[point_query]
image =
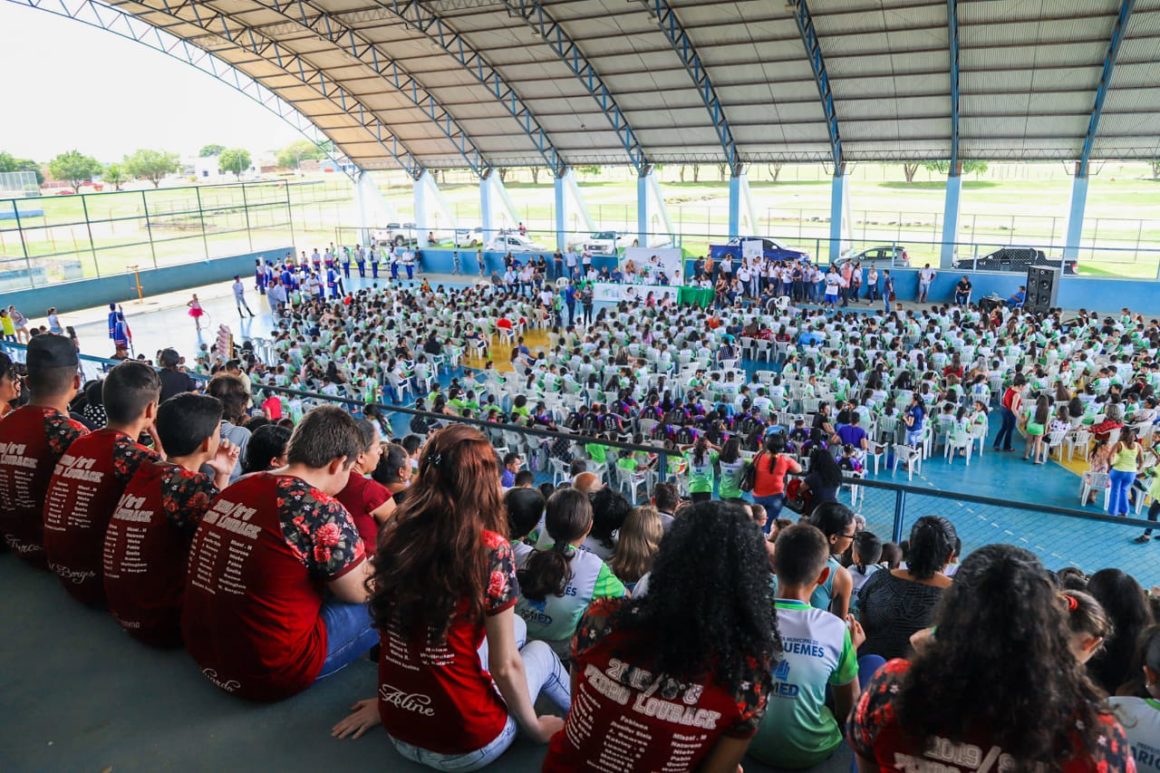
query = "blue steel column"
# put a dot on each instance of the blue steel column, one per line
(642, 206)
(951, 216)
(1079, 189)
(735, 203)
(485, 207)
(420, 188)
(837, 206)
(561, 211)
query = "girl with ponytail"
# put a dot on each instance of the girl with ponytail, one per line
(559, 583)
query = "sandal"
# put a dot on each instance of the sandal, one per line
(1142, 539)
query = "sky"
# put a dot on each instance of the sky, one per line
(65, 85)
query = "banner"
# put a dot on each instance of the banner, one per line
(613, 293)
(752, 248)
(648, 262)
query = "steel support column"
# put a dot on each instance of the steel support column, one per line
(735, 180)
(838, 205)
(642, 215)
(561, 210)
(1075, 212)
(486, 206)
(951, 216)
(421, 222)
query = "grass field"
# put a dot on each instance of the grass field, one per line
(1012, 204)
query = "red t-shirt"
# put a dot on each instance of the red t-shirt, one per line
(1009, 398)
(624, 717)
(437, 695)
(362, 496)
(32, 440)
(766, 483)
(875, 735)
(147, 547)
(257, 566)
(85, 487)
(273, 407)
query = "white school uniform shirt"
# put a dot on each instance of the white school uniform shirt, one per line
(1141, 720)
(926, 275)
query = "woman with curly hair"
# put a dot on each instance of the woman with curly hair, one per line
(997, 686)
(677, 680)
(455, 681)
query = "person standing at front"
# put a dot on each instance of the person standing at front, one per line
(925, 280)
(1010, 406)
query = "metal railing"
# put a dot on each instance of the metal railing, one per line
(889, 508)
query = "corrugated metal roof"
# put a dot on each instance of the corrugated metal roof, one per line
(1029, 71)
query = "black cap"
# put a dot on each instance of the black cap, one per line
(51, 351)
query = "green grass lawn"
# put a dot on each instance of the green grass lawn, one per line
(1013, 205)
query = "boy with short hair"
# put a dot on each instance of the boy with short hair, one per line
(33, 438)
(798, 730)
(148, 537)
(91, 476)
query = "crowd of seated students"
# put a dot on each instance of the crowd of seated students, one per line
(678, 634)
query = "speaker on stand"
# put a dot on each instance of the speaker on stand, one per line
(1042, 289)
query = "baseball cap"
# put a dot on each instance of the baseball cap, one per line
(51, 351)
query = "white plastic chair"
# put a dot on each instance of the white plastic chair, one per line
(959, 441)
(910, 456)
(1094, 481)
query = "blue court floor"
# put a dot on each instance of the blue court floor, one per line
(163, 321)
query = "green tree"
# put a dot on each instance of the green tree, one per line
(115, 175)
(208, 151)
(151, 165)
(909, 170)
(9, 163)
(236, 160)
(978, 168)
(291, 156)
(74, 167)
(1155, 168)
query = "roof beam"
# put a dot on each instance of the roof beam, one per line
(670, 25)
(297, 66)
(953, 38)
(128, 26)
(809, 35)
(1126, 7)
(535, 15)
(313, 18)
(422, 19)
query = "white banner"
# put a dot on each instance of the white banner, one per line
(752, 248)
(613, 293)
(648, 262)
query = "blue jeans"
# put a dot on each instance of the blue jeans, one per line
(349, 634)
(773, 505)
(1121, 484)
(1007, 431)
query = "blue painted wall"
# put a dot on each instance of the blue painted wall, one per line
(84, 294)
(439, 261)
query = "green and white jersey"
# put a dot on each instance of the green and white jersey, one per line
(701, 475)
(554, 619)
(1141, 720)
(798, 730)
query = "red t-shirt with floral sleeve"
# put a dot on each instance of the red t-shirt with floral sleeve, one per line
(86, 485)
(32, 440)
(875, 735)
(624, 717)
(257, 567)
(362, 496)
(436, 694)
(147, 548)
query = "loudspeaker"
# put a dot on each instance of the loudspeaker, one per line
(1042, 289)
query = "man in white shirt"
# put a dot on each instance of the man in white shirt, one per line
(925, 279)
(240, 297)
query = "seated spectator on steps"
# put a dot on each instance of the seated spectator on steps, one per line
(1126, 604)
(34, 437)
(456, 681)
(276, 591)
(266, 449)
(821, 655)
(1138, 704)
(369, 502)
(643, 667)
(895, 604)
(998, 674)
(147, 541)
(558, 584)
(92, 475)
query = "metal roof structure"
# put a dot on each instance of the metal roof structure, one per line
(489, 83)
